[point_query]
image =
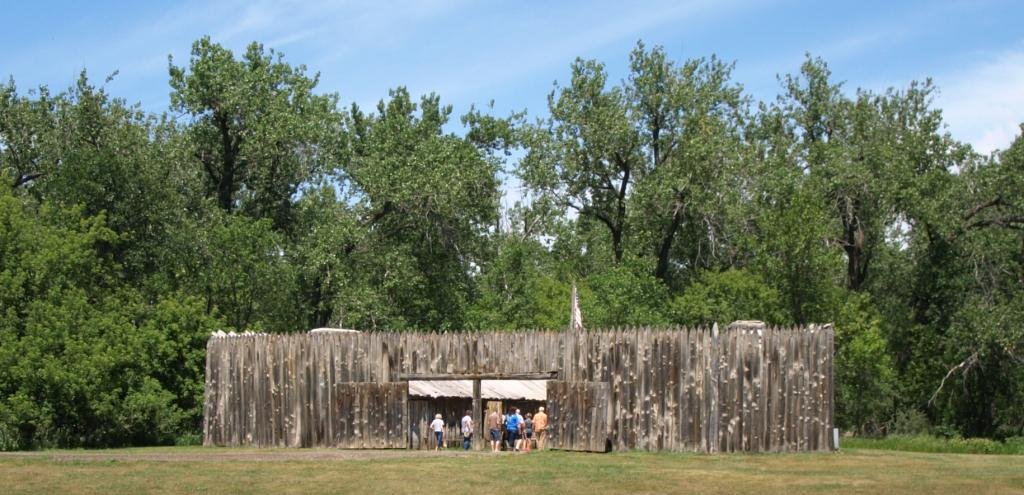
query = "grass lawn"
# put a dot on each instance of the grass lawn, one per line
(194, 469)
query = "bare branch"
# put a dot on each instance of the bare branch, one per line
(963, 367)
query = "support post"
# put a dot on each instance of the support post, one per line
(478, 415)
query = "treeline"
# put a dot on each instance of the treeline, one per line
(670, 197)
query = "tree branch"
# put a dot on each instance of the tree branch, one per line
(214, 176)
(963, 367)
(998, 200)
(1008, 222)
(584, 210)
(384, 210)
(26, 178)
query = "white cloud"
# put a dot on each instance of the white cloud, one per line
(984, 104)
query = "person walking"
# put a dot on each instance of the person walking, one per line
(512, 424)
(540, 426)
(494, 426)
(438, 427)
(467, 430)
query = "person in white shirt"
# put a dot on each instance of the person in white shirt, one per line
(438, 426)
(467, 430)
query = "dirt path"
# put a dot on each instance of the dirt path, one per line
(220, 455)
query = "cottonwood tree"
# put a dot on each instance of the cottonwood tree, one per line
(973, 262)
(838, 147)
(28, 135)
(423, 200)
(690, 116)
(256, 126)
(643, 157)
(587, 154)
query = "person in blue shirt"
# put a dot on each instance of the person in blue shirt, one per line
(512, 423)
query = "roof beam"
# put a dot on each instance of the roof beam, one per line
(540, 375)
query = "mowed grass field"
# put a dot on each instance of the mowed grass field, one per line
(212, 470)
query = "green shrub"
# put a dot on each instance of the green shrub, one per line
(189, 439)
(909, 422)
(864, 371)
(1015, 444)
(626, 294)
(8, 437)
(932, 444)
(727, 296)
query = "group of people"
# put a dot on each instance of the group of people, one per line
(513, 430)
(516, 432)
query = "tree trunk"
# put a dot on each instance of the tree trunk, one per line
(854, 243)
(856, 265)
(665, 250)
(226, 185)
(225, 191)
(617, 245)
(620, 213)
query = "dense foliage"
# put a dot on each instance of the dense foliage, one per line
(258, 203)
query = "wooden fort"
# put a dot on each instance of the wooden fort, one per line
(748, 388)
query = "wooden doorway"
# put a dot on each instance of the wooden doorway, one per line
(477, 406)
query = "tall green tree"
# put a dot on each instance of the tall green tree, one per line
(426, 199)
(838, 144)
(257, 128)
(971, 259)
(29, 148)
(647, 158)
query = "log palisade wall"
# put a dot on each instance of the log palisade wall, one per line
(748, 388)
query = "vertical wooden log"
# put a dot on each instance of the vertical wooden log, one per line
(712, 391)
(209, 415)
(477, 417)
(831, 386)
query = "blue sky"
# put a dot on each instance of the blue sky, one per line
(511, 52)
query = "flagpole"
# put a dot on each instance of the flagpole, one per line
(576, 317)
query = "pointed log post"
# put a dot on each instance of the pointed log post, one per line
(477, 417)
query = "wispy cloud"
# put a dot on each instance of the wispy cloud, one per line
(318, 30)
(984, 104)
(553, 44)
